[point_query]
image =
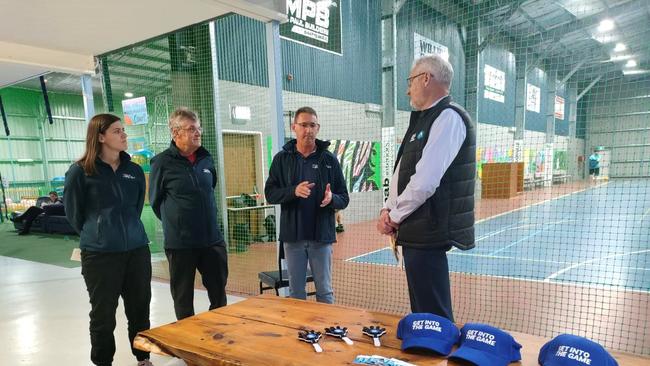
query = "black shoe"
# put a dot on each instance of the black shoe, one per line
(23, 232)
(339, 228)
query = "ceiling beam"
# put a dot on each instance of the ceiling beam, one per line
(591, 85)
(52, 60)
(161, 70)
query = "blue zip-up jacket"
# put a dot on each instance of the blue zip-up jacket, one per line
(182, 196)
(281, 186)
(105, 208)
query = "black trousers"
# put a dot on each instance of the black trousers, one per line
(28, 217)
(109, 276)
(211, 262)
(427, 275)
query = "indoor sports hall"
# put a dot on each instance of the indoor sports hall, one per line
(558, 90)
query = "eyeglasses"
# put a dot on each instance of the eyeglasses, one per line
(409, 81)
(193, 129)
(308, 125)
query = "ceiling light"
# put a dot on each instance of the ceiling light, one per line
(620, 47)
(635, 72)
(605, 38)
(620, 58)
(630, 63)
(606, 25)
(128, 95)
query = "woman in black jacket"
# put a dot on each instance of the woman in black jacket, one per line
(104, 193)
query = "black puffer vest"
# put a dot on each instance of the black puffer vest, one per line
(447, 217)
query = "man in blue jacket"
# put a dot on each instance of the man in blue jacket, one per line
(307, 181)
(181, 192)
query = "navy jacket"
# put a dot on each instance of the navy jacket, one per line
(281, 185)
(105, 208)
(182, 196)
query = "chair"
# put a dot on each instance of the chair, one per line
(279, 279)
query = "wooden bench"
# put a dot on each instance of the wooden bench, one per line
(263, 330)
(561, 178)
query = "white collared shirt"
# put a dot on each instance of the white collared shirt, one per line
(446, 137)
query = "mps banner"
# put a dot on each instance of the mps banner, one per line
(314, 23)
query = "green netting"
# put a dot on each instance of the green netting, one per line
(547, 82)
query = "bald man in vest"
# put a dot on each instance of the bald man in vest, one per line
(430, 206)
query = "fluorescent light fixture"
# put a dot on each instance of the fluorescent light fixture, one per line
(630, 63)
(606, 25)
(620, 47)
(605, 38)
(620, 58)
(240, 114)
(635, 72)
(25, 161)
(128, 95)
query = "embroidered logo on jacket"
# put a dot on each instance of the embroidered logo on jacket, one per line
(127, 176)
(207, 171)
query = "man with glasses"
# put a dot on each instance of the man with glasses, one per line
(181, 192)
(430, 205)
(307, 181)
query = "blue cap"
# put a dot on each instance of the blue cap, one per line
(571, 350)
(486, 345)
(429, 331)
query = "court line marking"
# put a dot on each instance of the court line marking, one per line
(540, 202)
(544, 227)
(506, 257)
(368, 253)
(460, 254)
(576, 265)
(564, 283)
(498, 231)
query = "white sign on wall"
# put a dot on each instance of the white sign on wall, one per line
(533, 96)
(518, 151)
(559, 107)
(424, 46)
(495, 84)
(548, 164)
(387, 157)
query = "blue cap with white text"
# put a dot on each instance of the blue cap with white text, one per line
(571, 350)
(428, 331)
(485, 345)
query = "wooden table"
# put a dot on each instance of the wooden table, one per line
(263, 331)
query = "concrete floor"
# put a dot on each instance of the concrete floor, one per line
(44, 316)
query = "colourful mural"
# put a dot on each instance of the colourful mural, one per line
(361, 163)
(492, 154)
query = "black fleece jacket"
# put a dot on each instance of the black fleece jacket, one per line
(182, 196)
(105, 208)
(281, 185)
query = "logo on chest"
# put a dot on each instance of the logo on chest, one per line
(418, 136)
(127, 176)
(206, 171)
